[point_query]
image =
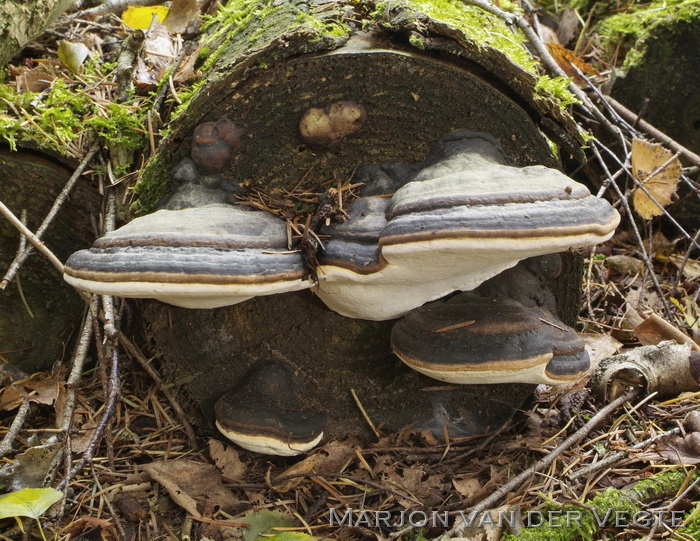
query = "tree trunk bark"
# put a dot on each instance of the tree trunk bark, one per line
(38, 309)
(417, 78)
(23, 20)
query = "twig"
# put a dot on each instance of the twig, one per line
(7, 213)
(538, 466)
(65, 192)
(635, 229)
(184, 50)
(20, 417)
(132, 350)
(618, 455)
(110, 406)
(126, 63)
(71, 391)
(358, 480)
(364, 413)
(547, 60)
(654, 132)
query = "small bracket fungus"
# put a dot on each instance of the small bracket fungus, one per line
(463, 218)
(327, 126)
(202, 257)
(472, 339)
(264, 412)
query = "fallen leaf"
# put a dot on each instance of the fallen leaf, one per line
(28, 502)
(140, 17)
(260, 522)
(335, 456)
(566, 58)
(677, 449)
(659, 178)
(89, 527)
(159, 49)
(181, 15)
(33, 80)
(294, 475)
(690, 268)
(226, 459)
(624, 264)
(466, 487)
(72, 54)
(191, 483)
(600, 346)
(33, 467)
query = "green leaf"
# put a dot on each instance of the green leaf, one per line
(262, 522)
(28, 502)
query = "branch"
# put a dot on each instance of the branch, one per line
(65, 192)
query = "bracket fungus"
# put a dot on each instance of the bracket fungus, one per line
(202, 257)
(263, 412)
(503, 332)
(463, 218)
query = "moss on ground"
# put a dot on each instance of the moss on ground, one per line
(633, 27)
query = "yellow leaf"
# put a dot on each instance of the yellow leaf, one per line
(139, 17)
(72, 54)
(659, 178)
(28, 502)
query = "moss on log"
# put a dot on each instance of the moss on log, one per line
(417, 76)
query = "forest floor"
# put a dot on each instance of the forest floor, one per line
(565, 468)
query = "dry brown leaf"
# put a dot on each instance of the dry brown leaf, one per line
(676, 449)
(466, 487)
(89, 527)
(624, 264)
(565, 58)
(81, 442)
(226, 459)
(159, 52)
(659, 178)
(296, 472)
(335, 456)
(691, 268)
(191, 483)
(181, 15)
(34, 80)
(42, 388)
(600, 346)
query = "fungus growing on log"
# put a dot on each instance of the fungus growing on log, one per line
(263, 412)
(203, 257)
(325, 127)
(464, 217)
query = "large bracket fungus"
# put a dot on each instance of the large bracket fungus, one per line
(421, 232)
(462, 218)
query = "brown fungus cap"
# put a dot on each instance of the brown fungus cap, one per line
(265, 412)
(472, 339)
(203, 257)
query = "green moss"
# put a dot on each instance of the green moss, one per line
(632, 28)
(122, 125)
(153, 185)
(476, 25)
(566, 522)
(556, 87)
(257, 21)
(54, 119)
